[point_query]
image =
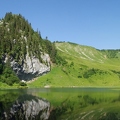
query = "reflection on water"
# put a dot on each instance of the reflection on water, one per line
(17, 105)
(66, 104)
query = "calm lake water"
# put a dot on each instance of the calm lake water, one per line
(70, 103)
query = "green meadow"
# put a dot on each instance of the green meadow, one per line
(85, 66)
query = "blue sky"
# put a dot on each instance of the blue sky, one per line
(87, 22)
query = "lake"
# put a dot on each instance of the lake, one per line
(60, 104)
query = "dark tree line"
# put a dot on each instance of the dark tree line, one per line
(111, 53)
(17, 38)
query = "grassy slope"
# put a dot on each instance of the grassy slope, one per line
(5, 86)
(84, 59)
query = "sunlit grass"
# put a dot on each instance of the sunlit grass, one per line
(84, 58)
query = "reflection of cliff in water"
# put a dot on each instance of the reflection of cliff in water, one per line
(24, 104)
(25, 107)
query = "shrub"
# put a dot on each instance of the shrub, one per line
(22, 84)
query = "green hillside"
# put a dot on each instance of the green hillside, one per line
(85, 66)
(71, 64)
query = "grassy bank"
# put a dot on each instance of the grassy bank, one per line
(59, 78)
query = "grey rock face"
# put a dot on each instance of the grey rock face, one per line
(31, 67)
(29, 109)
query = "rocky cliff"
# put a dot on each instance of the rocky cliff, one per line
(31, 67)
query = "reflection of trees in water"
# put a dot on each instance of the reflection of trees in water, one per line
(66, 107)
(110, 116)
(69, 109)
(20, 106)
(87, 107)
(7, 99)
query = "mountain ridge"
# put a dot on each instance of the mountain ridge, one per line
(66, 63)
